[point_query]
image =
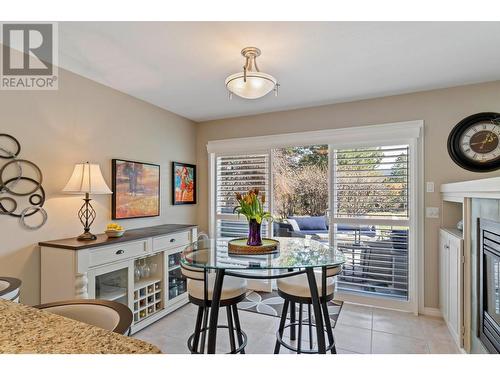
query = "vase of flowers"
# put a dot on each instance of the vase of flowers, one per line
(251, 205)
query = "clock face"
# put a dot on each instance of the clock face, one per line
(474, 143)
(480, 142)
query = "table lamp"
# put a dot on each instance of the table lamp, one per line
(87, 179)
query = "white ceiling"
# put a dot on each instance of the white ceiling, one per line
(181, 66)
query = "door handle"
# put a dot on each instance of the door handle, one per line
(119, 252)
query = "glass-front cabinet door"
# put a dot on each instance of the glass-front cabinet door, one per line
(136, 283)
(177, 283)
(112, 283)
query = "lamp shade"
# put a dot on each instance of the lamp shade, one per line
(87, 178)
(254, 86)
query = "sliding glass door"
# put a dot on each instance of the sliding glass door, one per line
(359, 196)
(371, 222)
(301, 191)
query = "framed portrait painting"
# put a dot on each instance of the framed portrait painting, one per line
(136, 189)
(183, 183)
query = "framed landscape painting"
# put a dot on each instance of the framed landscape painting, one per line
(136, 189)
(183, 183)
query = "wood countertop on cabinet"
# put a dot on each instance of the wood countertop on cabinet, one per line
(130, 235)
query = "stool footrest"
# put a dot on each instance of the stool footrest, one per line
(238, 349)
(295, 349)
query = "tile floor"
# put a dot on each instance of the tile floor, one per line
(360, 329)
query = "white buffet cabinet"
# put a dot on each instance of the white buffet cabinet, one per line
(140, 270)
(451, 282)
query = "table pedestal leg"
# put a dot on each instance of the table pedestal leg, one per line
(318, 318)
(214, 311)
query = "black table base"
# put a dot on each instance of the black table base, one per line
(319, 310)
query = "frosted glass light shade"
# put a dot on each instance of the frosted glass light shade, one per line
(256, 86)
(87, 178)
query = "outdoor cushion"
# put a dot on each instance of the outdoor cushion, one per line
(293, 223)
(310, 222)
(312, 231)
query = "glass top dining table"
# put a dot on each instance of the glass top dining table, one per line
(293, 257)
(292, 253)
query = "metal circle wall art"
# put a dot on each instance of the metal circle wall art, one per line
(15, 183)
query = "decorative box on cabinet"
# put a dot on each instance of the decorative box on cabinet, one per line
(451, 281)
(106, 269)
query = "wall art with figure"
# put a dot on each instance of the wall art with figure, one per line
(136, 189)
(184, 183)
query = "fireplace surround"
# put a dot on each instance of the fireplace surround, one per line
(488, 283)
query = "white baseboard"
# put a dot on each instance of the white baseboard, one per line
(432, 311)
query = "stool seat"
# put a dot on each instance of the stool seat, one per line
(109, 315)
(10, 288)
(299, 286)
(232, 287)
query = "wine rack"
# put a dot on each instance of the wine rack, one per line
(147, 298)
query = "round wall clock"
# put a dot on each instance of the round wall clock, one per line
(474, 143)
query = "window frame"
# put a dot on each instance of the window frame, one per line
(407, 132)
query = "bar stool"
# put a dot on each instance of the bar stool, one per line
(109, 315)
(200, 288)
(295, 290)
(10, 288)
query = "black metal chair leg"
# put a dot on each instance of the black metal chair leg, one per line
(328, 326)
(318, 319)
(292, 316)
(206, 312)
(299, 343)
(230, 329)
(214, 311)
(197, 328)
(310, 327)
(282, 326)
(238, 327)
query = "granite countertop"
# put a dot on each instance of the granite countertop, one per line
(130, 235)
(24, 329)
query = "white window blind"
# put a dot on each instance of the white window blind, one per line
(371, 219)
(238, 174)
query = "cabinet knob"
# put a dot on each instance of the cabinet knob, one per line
(172, 240)
(119, 252)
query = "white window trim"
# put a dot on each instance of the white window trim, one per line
(344, 137)
(411, 132)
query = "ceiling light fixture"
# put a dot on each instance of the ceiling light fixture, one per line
(251, 83)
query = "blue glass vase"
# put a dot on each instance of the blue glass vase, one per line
(254, 238)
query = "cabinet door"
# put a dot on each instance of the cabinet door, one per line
(443, 274)
(177, 282)
(112, 283)
(455, 289)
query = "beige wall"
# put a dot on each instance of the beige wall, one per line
(440, 110)
(82, 121)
